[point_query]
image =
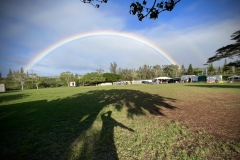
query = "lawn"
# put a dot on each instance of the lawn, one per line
(167, 121)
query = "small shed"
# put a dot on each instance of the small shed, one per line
(72, 84)
(2, 88)
(202, 78)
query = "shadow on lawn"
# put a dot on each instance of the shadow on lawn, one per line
(105, 147)
(4, 97)
(46, 130)
(217, 85)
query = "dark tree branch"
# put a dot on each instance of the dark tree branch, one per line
(138, 8)
(95, 5)
(235, 63)
(164, 5)
(228, 51)
(151, 8)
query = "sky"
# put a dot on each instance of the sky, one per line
(39, 35)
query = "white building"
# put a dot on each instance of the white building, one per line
(72, 84)
(2, 88)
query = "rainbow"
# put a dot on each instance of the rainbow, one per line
(51, 48)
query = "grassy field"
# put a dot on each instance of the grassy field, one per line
(167, 121)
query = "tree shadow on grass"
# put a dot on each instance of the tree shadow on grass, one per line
(47, 129)
(9, 97)
(237, 86)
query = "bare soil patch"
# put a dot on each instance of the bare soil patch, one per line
(216, 113)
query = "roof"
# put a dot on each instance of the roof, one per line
(163, 78)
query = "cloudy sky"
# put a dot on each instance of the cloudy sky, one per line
(191, 33)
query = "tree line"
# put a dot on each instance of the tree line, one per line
(24, 80)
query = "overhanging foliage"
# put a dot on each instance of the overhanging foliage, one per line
(142, 10)
(228, 51)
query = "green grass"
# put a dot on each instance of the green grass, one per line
(76, 123)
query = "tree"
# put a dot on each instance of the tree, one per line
(127, 74)
(190, 70)
(113, 67)
(225, 67)
(32, 76)
(141, 73)
(182, 70)
(21, 70)
(211, 69)
(145, 72)
(133, 74)
(92, 78)
(219, 70)
(148, 71)
(111, 77)
(157, 70)
(197, 71)
(124, 73)
(171, 70)
(20, 76)
(235, 64)
(232, 69)
(0, 75)
(142, 10)
(228, 51)
(10, 75)
(66, 76)
(47, 82)
(77, 78)
(37, 81)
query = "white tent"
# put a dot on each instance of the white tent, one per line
(193, 78)
(161, 79)
(214, 78)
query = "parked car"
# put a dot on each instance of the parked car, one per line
(121, 83)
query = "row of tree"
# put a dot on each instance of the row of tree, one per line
(19, 79)
(150, 72)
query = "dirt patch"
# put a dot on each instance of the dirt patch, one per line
(218, 114)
